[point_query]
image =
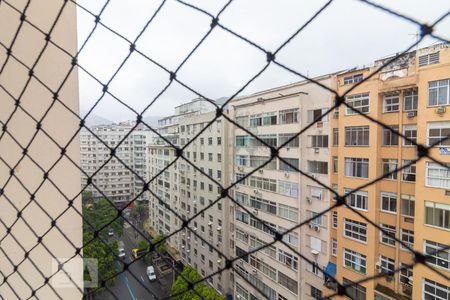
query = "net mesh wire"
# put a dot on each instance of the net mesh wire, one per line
(426, 30)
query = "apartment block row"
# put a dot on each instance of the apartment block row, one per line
(344, 151)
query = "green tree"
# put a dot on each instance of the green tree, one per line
(162, 247)
(181, 286)
(143, 245)
(97, 214)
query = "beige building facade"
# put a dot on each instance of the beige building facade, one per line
(279, 195)
(52, 67)
(411, 96)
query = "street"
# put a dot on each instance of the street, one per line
(136, 287)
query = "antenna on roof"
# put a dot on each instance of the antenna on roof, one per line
(417, 38)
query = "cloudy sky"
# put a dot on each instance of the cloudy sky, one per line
(348, 33)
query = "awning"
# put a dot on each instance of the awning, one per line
(330, 270)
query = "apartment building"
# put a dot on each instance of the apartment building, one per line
(412, 96)
(279, 195)
(115, 178)
(188, 191)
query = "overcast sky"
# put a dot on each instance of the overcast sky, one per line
(347, 34)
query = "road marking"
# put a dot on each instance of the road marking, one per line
(125, 279)
(142, 278)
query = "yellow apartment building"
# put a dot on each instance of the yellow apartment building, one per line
(411, 95)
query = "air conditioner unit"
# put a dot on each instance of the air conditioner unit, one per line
(286, 174)
(210, 223)
(194, 229)
(411, 114)
(440, 110)
(317, 228)
(309, 200)
(316, 150)
(314, 252)
(255, 271)
(236, 187)
(219, 228)
(240, 168)
(378, 265)
(311, 225)
(260, 171)
(255, 212)
(255, 191)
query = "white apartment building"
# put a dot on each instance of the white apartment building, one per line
(279, 195)
(115, 179)
(188, 191)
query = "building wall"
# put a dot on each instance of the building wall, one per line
(187, 191)
(400, 77)
(52, 67)
(309, 241)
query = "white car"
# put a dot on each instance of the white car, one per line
(110, 232)
(121, 250)
(151, 273)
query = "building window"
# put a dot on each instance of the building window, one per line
(288, 212)
(357, 136)
(407, 206)
(288, 188)
(438, 92)
(438, 133)
(285, 167)
(357, 199)
(318, 167)
(434, 290)
(410, 100)
(219, 157)
(219, 140)
(438, 254)
(410, 131)
(288, 259)
(429, 59)
(334, 247)
(355, 261)
(437, 175)
(387, 265)
(390, 167)
(390, 138)
(409, 172)
(263, 183)
(316, 293)
(407, 237)
(388, 237)
(406, 272)
(270, 118)
(357, 167)
(255, 120)
(335, 164)
(335, 219)
(355, 230)
(353, 78)
(391, 102)
(242, 121)
(288, 116)
(263, 267)
(358, 103)
(319, 141)
(288, 282)
(335, 136)
(316, 115)
(437, 214)
(284, 137)
(388, 202)
(354, 291)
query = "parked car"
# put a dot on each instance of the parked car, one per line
(110, 232)
(121, 250)
(151, 273)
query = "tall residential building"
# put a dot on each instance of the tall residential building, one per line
(412, 96)
(188, 192)
(279, 195)
(115, 178)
